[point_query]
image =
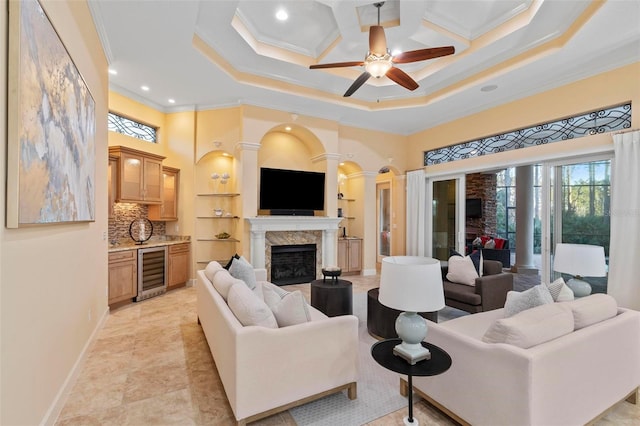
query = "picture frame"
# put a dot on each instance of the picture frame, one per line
(51, 126)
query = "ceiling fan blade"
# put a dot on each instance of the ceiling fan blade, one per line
(337, 65)
(356, 84)
(422, 54)
(377, 40)
(402, 78)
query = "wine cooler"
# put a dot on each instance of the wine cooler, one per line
(152, 272)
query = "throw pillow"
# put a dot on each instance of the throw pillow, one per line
(592, 309)
(291, 309)
(462, 270)
(560, 291)
(243, 270)
(248, 308)
(491, 244)
(272, 293)
(228, 265)
(476, 258)
(222, 282)
(532, 327)
(211, 269)
(520, 301)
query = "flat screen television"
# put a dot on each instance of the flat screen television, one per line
(291, 192)
(474, 208)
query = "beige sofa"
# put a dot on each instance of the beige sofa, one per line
(568, 380)
(268, 370)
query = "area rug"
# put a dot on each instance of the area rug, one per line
(378, 388)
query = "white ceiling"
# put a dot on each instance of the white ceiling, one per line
(219, 53)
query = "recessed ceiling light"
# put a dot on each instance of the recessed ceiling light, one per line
(145, 88)
(288, 128)
(489, 88)
(282, 15)
(172, 101)
(112, 71)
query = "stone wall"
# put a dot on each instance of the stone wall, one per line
(483, 186)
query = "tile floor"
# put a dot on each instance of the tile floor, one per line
(150, 365)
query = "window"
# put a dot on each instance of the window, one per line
(135, 129)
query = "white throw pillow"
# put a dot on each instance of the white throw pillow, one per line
(462, 271)
(222, 282)
(243, 270)
(291, 309)
(519, 301)
(532, 327)
(592, 309)
(248, 308)
(212, 268)
(272, 294)
(560, 291)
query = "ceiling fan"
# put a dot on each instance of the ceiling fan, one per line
(379, 62)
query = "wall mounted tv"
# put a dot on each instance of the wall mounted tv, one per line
(473, 208)
(291, 192)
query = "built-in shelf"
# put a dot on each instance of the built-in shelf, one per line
(217, 217)
(222, 194)
(224, 240)
(346, 199)
(348, 217)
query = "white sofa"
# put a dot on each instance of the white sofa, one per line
(268, 370)
(568, 380)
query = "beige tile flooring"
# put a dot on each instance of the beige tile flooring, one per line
(150, 365)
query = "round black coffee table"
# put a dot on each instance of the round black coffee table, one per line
(333, 298)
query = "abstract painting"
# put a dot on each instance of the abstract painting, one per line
(51, 126)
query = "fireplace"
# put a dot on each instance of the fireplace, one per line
(293, 264)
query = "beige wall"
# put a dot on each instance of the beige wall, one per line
(53, 278)
(607, 89)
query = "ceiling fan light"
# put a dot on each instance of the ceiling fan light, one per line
(378, 66)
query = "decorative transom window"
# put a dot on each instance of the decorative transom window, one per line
(135, 129)
(591, 123)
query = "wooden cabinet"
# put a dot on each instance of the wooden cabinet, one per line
(139, 176)
(350, 255)
(123, 276)
(112, 178)
(168, 210)
(179, 263)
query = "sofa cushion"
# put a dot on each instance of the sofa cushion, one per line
(228, 265)
(532, 326)
(243, 270)
(462, 270)
(211, 269)
(462, 293)
(592, 309)
(519, 301)
(289, 308)
(272, 293)
(560, 291)
(222, 282)
(248, 307)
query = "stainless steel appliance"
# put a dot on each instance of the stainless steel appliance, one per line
(152, 272)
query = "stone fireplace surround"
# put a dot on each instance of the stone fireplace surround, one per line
(267, 231)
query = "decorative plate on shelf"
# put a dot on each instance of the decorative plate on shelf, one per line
(140, 230)
(222, 236)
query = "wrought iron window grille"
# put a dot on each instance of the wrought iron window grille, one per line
(129, 127)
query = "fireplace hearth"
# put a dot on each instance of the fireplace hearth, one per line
(293, 264)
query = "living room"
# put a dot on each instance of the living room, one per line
(54, 306)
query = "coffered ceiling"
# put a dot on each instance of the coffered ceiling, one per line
(207, 54)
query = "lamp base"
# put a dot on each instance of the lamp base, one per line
(579, 287)
(412, 354)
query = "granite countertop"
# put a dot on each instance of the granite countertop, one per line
(164, 240)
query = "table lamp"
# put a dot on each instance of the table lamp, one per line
(579, 260)
(411, 284)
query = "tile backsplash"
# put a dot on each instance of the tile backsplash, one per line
(124, 214)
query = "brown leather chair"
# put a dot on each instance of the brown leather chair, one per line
(490, 291)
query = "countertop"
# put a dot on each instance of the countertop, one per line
(165, 240)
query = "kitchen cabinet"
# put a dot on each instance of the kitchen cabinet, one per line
(179, 265)
(350, 255)
(123, 276)
(112, 179)
(168, 210)
(139, 176)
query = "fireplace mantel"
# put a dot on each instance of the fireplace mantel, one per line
(260, 225)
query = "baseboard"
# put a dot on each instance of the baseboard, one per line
(368, 272)
(61, 398)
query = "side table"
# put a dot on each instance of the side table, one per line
(333, 297)
(440, 362)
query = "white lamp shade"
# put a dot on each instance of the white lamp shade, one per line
(411, 284)
(580, 260)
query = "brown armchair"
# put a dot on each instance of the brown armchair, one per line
(490, 291)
